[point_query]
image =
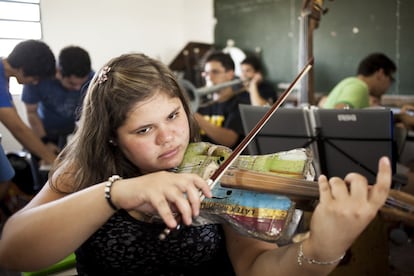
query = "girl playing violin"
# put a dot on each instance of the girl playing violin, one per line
(135, 126)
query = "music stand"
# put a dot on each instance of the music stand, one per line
(287, 129)
(341, 141)
(354, 140)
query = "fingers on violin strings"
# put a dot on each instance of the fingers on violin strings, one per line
(384, 172)
(339, 189)
(358, 185)
(383, 184)
(324, 189)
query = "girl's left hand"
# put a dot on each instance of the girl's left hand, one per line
(346, 207)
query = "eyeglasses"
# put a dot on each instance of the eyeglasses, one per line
(212, 72)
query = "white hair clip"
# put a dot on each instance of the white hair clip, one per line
(103, 75)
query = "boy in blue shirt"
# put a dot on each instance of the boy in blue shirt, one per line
(29, 62)
(52, 104)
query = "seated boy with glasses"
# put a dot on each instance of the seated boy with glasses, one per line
(220, 120)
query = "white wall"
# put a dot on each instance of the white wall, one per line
(105, 28)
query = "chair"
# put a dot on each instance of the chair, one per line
(26, 175)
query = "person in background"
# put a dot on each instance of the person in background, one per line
(52, 104)
(261, 92)
(374, 78)
(29, 62)
(115, 175)
(220, 120)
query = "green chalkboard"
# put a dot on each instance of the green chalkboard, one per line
(347, 32)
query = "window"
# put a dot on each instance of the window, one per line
(19, 20)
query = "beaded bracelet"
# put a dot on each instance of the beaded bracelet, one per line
(301, 258)
(108, 187)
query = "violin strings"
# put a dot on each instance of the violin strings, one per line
(286, 184)
(393, 202)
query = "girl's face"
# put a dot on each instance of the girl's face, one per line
(155, 134)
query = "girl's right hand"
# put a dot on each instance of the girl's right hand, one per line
(162, 193)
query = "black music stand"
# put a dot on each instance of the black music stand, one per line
(287, 129)
(354, 140)
(341, 141)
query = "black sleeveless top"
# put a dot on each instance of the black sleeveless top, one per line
(126, 246)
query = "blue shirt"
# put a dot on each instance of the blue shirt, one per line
(225, 114)
(6, 99)
(6, 170)
(58, 108)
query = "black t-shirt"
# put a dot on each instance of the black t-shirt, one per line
(225, 114)
(267, 91)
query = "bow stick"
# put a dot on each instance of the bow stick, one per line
(214, 178)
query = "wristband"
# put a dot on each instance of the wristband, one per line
(108, 187)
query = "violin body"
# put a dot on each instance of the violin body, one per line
(263, 216)
(266, 216)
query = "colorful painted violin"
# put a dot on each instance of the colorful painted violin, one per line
(267, 216)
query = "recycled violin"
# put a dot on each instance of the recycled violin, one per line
(265, 216)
